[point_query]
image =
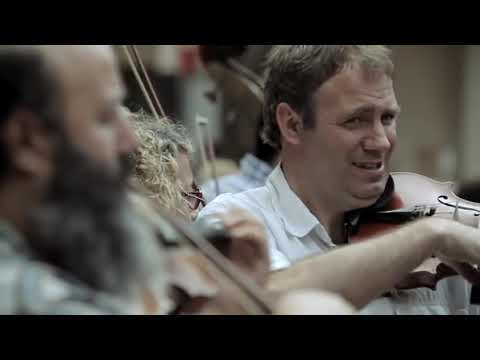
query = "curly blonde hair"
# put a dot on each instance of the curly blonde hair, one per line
(155, 160)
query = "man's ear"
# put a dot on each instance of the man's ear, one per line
(29, 144)
(290, 124)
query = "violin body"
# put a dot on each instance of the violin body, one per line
(415, 197)
(418, 189)
(202, 279)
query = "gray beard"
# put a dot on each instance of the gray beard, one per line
(83, 226)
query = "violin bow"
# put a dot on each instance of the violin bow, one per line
(246, 285)
(138, 68)
(255, 299)
(201, 143)
(209, 148)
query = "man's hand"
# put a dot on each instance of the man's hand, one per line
(459, 248)
(248, 249)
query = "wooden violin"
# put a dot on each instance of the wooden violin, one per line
(199, 271)
(410, 197)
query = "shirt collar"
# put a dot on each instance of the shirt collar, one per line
(298, 219)
(255, 168)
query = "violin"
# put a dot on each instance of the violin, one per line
(198, 267)
(410, 197)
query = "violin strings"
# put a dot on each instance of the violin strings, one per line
(448, 212)
(435, 206)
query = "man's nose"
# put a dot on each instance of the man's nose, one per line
(128, 141)
(377, 140)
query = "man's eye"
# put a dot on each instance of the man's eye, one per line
(353, 123)
(111, 115)
(107, 120)
(388, 119)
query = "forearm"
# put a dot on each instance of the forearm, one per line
(362, 272)
(312, 302)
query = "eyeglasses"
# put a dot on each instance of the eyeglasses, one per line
(194, 199)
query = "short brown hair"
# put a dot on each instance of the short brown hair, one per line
(295, 72)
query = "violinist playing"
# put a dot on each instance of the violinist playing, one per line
(70, 242)
(332, 112)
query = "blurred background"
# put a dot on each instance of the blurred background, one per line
(438, 87)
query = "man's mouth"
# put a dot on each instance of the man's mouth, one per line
(369, 165)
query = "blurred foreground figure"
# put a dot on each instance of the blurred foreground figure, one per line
(69, 243)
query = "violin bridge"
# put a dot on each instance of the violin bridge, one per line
(456, 214)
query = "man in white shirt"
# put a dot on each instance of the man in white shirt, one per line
(332, 112)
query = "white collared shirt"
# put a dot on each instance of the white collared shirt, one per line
(294, 233)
